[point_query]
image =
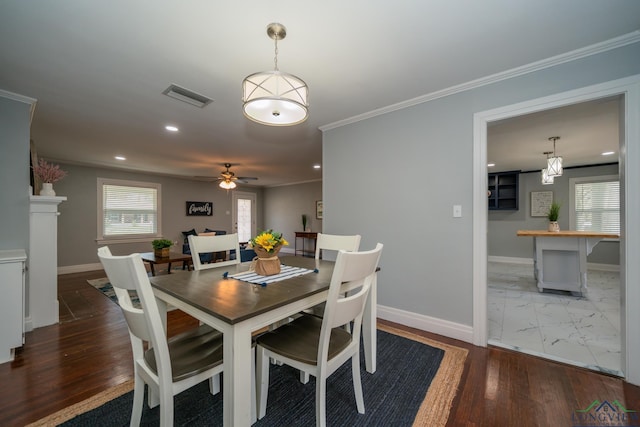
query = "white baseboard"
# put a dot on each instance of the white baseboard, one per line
(68, 269)
(427, 323)
(603, 267)
(529, 261)
(511, 260)
(28, 324)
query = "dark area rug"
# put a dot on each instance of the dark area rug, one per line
(392, 395)
(396, 395)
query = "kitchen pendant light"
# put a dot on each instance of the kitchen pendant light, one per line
(275, 98)
(554, 164)
(546, 179)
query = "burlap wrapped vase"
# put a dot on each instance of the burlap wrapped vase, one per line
(267, 264)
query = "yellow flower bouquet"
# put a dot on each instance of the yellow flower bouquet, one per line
(267, 245)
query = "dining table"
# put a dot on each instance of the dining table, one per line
(238, 309)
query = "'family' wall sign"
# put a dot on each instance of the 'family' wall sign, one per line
(199, 208)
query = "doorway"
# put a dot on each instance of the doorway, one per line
(244, 215)
(629, 90)
(582, 330)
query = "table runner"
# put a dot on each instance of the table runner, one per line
(286, 272)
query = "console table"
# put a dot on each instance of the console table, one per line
(560, 258)
(152, 259)
(306, 235)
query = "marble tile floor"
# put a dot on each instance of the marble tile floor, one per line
(582, 331)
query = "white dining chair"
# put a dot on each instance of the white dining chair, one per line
(168, 366)
(216, 243)
(319, 346)
(335, 242)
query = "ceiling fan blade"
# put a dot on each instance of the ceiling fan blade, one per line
(206, 178)
(247, 178)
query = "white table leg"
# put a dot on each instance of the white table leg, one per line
(237, 376)
(369, 327)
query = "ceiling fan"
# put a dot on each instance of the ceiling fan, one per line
(228, 179)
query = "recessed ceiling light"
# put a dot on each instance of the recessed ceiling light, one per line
(608, 153)
(120, 158)
(316, 166)
(171, 128)
(490, 165)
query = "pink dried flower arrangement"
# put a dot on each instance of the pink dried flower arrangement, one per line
(48, 172)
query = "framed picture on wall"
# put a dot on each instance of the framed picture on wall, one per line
(318, 209)
(541, 202)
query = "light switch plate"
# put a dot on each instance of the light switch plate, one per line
(457, 211)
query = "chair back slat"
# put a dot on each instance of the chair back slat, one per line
(348, 308)
(335, 242)
(207, 244)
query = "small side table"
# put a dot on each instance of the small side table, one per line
(305, 235)
(173, 257)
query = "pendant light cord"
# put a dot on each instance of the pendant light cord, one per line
(275, 58)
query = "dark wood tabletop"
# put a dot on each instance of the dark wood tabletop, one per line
(232, 300)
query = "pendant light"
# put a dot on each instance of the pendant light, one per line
(275, 98)
(546, 179)
(554, 164)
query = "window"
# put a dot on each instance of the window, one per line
(596, 204)
(128, 210)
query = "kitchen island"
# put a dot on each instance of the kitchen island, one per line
(560, 258)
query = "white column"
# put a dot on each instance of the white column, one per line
(42, 279)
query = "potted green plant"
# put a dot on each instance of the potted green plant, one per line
(304, 222)
(161, 247)
(552, 216)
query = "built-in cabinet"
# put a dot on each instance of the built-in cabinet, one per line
(503, 190)
(12, 268)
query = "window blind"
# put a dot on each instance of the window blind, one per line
(598, 206)
(129, 210)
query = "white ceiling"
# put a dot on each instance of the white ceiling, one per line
(98, 70)
(586, 130)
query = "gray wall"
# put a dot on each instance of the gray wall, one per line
(78, 220)
(503, 225)
(14, 174)
(284, 206)
(426, 266)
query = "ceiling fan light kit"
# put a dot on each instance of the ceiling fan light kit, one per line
(228, 179)
(228, 184)
(275, 98)
(554, 164)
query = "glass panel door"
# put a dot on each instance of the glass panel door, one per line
(244, 214)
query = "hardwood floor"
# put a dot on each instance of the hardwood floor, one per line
(89, 351)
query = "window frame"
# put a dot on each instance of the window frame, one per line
(572, 198)
(132, 238)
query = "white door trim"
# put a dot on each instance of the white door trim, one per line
(629, 88)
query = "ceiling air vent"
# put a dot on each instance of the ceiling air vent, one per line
(185, 95)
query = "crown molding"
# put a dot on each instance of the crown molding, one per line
(624, 40)
(21, 98)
